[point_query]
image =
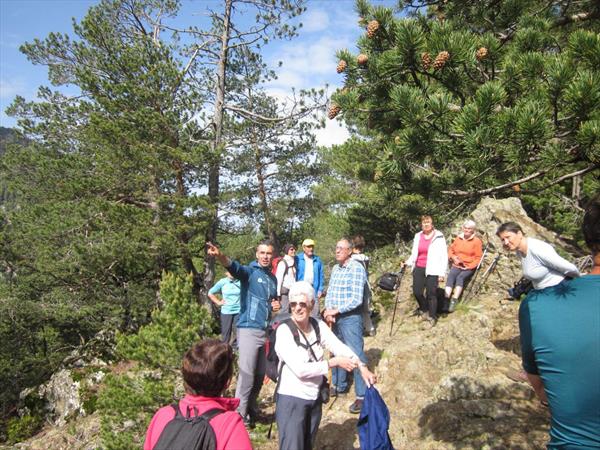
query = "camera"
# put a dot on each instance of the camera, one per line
(521, 287)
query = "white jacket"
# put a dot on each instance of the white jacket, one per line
(437, 255)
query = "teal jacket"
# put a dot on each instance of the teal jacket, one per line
(258, 287)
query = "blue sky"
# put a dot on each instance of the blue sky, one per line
(308, 60)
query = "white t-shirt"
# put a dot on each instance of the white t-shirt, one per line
(301, 376)
(309, 273)
(543, 266)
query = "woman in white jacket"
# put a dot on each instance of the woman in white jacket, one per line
(303, 368)
(429, 259)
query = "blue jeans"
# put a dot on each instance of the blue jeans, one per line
(349, 329)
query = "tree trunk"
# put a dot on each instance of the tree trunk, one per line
(217, 144)
(576, 191)
(262, 193)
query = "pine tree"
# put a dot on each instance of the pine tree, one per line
(466, 99)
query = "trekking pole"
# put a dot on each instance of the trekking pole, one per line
(472, 282)
(400, 275)
(487, 273)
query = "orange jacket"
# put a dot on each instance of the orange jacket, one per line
(468, 250)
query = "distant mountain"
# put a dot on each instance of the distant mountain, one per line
(8, 136)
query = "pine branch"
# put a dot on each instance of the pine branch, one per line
(566, 177)
(538, 174)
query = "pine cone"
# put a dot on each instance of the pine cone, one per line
(362, 59)
(425, 60)
(481, 53)
(440, 60)
(334, 110)
(342, 66)
(372, 28)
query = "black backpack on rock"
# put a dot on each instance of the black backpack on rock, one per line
(388, 281)
(190, 432)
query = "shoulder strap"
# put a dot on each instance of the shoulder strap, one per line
(294, 329)
(208, 415)
(178, 414)
(315, 324)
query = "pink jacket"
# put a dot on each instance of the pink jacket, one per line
(228, 426)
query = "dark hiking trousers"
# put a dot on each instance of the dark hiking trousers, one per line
(425, 290)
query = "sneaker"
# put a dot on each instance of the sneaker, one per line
(356, 406)
(452, 306)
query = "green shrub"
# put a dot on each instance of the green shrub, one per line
(173, 329)
(128, 401)
(21, 428)
(126, 405)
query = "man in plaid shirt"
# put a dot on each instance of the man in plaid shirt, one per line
(343, 310)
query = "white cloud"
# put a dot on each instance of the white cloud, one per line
(334, 133)
(10, 88)
(315, 20)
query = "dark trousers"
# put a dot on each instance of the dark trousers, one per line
(297, 422)
(229, 328)
(425, 290)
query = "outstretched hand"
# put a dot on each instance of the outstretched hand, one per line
(212, 250)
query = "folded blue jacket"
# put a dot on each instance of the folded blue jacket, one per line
(374, 422)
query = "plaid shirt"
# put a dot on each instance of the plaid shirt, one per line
(346, 287)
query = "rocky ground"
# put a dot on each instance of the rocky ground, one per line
(445, 387)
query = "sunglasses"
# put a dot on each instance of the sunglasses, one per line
(300, 304)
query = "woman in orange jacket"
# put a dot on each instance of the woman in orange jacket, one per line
(464, 254)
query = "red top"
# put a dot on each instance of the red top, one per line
(228, 426)
(423, 249)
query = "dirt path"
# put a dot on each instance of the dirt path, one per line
(445, 386)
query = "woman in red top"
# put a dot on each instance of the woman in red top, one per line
(207, 368)
(464, 254)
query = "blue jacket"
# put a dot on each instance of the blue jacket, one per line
(318, 272)
(258, 288)
(373, 423)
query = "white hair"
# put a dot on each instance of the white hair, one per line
(469, 224)
(302, 290)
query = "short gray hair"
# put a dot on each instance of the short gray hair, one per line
(302, 289)
(470, 224)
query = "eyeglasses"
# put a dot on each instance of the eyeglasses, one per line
(300, 304)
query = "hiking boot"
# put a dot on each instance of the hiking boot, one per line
(452, 306)
(356, 406)
(432, 321)
(417, 313)
(371, 332)
(249, 422)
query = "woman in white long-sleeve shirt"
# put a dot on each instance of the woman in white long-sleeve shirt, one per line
(539, 261)
(298, 405)
(429, 259)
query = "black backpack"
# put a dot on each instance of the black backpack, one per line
(190, 432)
(273, 370)
(388, 281)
